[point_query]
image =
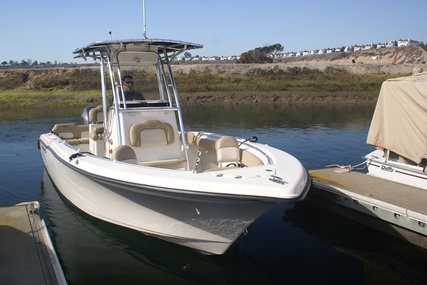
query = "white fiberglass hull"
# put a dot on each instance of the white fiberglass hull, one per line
(203, 211)
(395, 171)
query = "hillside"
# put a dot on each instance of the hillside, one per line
(404, 55)
(361, 62)
(338, 78)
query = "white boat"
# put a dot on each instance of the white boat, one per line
(131, 163)
(399, 132)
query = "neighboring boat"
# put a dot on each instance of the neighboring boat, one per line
(399, 132)
(132, 164)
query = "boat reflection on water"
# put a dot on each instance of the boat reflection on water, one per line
(95, 252)
(386, 259)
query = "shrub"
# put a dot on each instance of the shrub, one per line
(12, 79)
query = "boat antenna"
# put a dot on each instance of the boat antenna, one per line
(144, 20)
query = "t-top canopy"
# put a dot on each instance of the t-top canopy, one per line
(161, 46)
(399, 123)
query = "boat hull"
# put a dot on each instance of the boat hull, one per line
(208, 223)
(395, 171)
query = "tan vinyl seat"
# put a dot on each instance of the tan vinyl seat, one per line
(72, 133)
(227, 151)
(155, 145)
(227, 154)
(124, 153)
(191, 138)
(96, 115)
(249, 159)
(96, 133)
(65, 131)
(151, 133)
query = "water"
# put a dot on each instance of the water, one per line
(298, 244)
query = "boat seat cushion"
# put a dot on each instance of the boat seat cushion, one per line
(96, 114)
(227, 151)
(191, 138)
(124, 153)
(167, 163)
(151, 133)
(65, 131)
(72, 133)
(249, 159)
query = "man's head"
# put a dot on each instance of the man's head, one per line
(128, 83)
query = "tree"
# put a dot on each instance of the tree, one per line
(4, 63)
(187, 55)
(275, 49)
(261, 54)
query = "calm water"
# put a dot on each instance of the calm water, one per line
(297, 244)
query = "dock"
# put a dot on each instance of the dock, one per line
(27, 255)
(391, 207)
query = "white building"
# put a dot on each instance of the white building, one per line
(391, 44)
(408, 42)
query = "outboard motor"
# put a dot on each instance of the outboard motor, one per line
(85, 115)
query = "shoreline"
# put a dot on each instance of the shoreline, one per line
(40, 100)
(277, 98)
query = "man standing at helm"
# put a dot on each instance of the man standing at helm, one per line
(128, 88)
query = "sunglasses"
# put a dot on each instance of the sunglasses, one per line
(128, 82)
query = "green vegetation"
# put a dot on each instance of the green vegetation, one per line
(261, 54)
(19, 99)
(41, 88)
(276, 79)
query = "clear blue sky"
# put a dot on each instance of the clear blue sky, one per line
(49, 30)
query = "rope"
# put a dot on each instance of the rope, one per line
(347, 168)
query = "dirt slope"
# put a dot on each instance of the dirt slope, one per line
(371, 61)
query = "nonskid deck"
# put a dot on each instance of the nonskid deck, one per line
(390, 202)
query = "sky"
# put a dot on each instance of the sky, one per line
(50, 30)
